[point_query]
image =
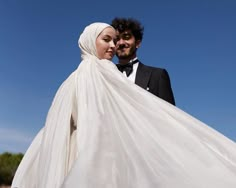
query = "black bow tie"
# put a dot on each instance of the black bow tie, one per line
(128, 68)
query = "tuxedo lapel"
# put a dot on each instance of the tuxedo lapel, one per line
(142, 76)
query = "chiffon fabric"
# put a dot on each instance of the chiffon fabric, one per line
(103, 131)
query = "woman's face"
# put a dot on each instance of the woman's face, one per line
(105, 44)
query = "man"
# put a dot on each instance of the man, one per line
(129, 38)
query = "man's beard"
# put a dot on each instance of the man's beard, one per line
(131, 53)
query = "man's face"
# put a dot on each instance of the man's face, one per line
(126, 45)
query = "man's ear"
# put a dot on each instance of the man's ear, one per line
(138, 43)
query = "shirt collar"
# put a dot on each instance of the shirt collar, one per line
(132, 60)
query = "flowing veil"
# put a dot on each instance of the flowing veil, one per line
(131, 138)
(103, 131)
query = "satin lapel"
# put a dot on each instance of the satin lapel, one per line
(142, 76)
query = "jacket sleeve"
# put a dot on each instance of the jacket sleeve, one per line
(165, 90)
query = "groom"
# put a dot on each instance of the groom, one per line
(129, 38)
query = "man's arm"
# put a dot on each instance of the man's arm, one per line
(165, 90)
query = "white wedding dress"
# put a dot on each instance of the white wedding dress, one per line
(103, 131)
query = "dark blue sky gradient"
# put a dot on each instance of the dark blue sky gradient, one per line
(194, 40)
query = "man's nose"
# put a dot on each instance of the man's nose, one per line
(120, 42)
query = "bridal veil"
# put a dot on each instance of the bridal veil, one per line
(103, 131)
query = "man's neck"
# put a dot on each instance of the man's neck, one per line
(125, 61)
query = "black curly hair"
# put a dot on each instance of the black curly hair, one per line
(123, 24)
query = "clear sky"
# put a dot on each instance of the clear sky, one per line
(195, 40)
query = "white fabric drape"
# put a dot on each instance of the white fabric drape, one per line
(125, 137)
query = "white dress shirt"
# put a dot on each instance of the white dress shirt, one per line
(132, 76)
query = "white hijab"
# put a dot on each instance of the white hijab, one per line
(87, 40)
(125, 136)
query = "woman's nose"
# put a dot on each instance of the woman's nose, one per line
(112, 44)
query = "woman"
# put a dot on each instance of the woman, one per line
(104, 131)
(53, 151)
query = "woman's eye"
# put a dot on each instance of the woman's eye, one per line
(106, 39)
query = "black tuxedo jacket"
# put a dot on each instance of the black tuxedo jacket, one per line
(156, 81)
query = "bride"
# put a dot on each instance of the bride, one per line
(103, 131)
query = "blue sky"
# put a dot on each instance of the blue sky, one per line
(195, 40)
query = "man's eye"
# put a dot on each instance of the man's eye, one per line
(126, 37)
(115, 41)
